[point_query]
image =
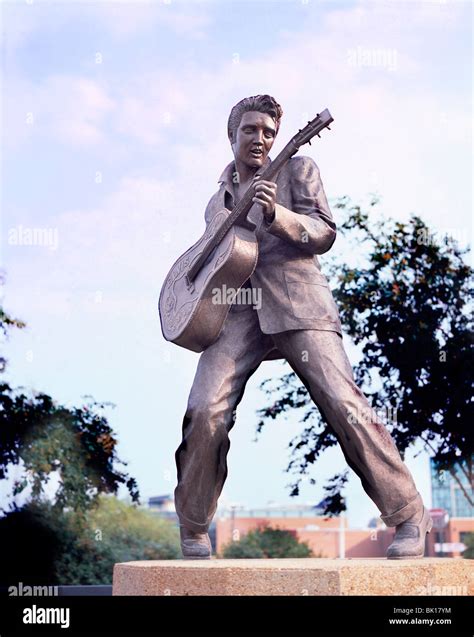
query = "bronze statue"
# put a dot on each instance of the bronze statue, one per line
(290, 313)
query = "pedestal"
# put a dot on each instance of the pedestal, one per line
(305, 576)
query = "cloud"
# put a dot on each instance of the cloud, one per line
(133, 18)
(149, 104)
(68, 109)
(82, 106)
(121, 19)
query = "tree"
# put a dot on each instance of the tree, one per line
(75, 443)
(78, 446)
(407, 306)
(265, 541)
(52, 549)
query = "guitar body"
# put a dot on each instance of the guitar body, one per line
(189, 314)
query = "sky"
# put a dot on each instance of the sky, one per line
(113, 130)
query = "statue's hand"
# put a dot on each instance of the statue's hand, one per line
(265, 195)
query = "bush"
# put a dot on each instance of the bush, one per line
(468, 553)
(266, 542)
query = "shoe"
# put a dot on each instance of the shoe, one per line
(409, 540)
(195, 546)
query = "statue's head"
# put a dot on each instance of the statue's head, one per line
(252, 127)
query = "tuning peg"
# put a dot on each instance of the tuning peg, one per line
(328, 127)
(319, 135)
(309, 142)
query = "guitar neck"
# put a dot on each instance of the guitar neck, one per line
(239, 212)
(269, 174)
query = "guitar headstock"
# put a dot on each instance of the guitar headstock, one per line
(312, 128)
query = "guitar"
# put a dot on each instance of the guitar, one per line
(226, 254)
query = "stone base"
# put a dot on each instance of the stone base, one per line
(305, 576)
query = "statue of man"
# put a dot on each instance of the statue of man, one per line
(296, 318)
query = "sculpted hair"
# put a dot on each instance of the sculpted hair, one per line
(261, 103)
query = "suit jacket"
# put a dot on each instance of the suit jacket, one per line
(294, 291)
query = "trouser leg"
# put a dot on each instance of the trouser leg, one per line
(222, 372)
(319, 359)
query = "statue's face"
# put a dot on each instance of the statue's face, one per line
(254, 138)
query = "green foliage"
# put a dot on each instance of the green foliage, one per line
(267, 542)
(125, 525)
(6, 324)
(116, 532)
(70, 549)
(77, 443)
(409, 307)
(468, 552)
